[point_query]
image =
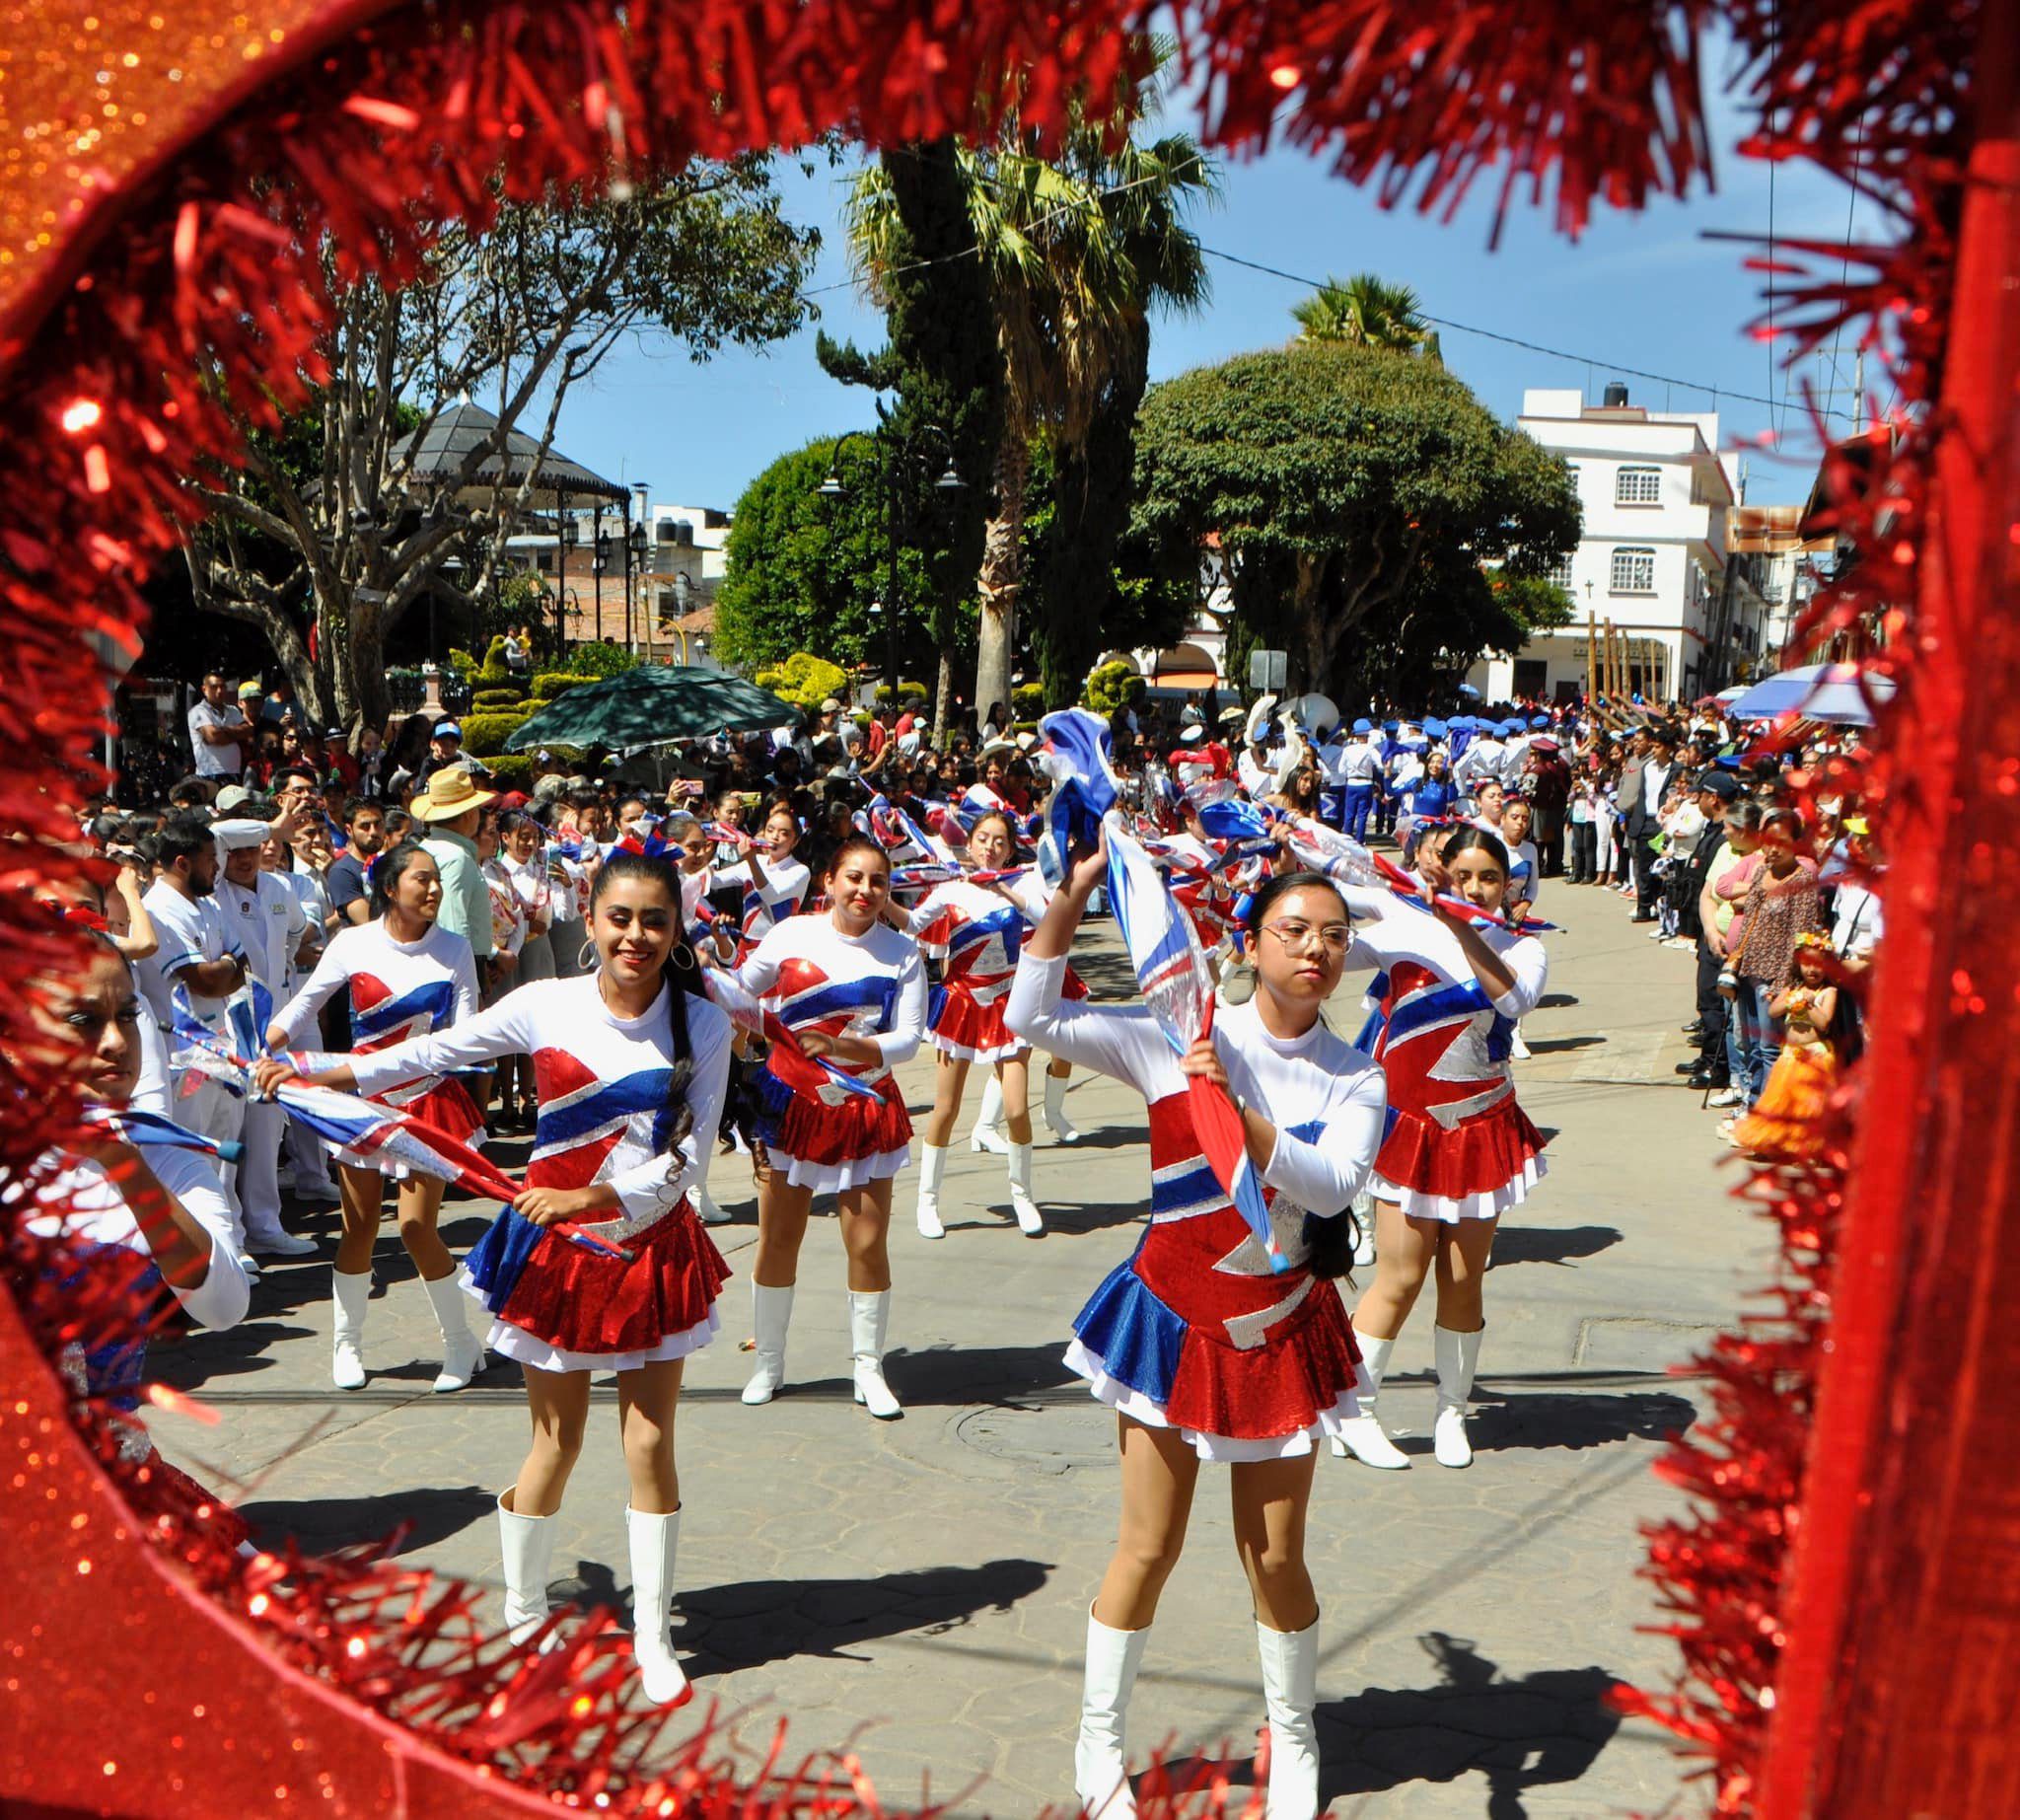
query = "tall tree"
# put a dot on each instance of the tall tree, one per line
(1078, 249)
(323, 534)
(940, 361)
(804, 570)
(1360, 501)
(1366, 311)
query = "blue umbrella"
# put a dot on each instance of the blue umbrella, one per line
(1816, 691)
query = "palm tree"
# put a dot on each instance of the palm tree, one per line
(1079, 250)
(1367, 312)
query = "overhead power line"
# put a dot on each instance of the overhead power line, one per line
(1534, 347)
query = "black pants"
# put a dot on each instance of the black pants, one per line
(1584, 853)
(1648, 887)
(1712, 1007)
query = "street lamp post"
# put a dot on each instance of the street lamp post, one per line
(566, 535)
(899, 459)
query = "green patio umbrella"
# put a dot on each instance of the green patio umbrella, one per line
(654, 702)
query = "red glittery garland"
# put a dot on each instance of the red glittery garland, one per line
(108, 414)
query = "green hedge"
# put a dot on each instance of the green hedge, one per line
(1028, 701)
(1111, 686)
(511, 770)
(550, 684)
(494, 699)
(462, 663)
(484, 735)
(494, 675)
(601, 658)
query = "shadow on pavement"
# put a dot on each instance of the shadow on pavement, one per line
(1551, 1244)
(748, 1623)
(1555, 1002)
(320, 1524)
(959, 1376)
(1533, 1731)
(1521, 1419)
(203, 1354)
(1099, 1217)
(1554, 1046)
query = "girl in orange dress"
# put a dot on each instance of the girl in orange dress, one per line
(1782, 1123)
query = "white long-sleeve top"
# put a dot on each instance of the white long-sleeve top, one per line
(811, 975)
(602, 1081)
(1324, 1098)
(98, 1215)
(397, 991)
(1393, 931)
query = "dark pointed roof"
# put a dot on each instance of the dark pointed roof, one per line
(440, 448)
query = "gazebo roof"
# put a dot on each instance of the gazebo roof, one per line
(439, 449)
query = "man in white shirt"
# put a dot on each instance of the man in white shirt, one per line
(1479, 762)
(1644, 818)
(220, 736)
(196, 953)
(1360, 771)
(268, 921)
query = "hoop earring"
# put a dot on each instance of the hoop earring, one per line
(681, 954)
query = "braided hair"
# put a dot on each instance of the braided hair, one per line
(682, 973)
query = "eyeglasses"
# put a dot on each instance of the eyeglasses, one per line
(1333, 937)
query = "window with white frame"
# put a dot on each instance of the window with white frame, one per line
(1561, 574)
(1634, 571)
(1637, 486)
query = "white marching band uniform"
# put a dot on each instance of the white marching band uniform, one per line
(1195, 1332)
(819, 1136)
(398, 991)
(977, 932)
(1459, 1146)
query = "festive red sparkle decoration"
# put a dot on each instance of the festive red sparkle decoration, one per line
(1842, 1592)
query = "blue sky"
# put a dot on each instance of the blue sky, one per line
(1647, 291)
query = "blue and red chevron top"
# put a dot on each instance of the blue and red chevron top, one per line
(397, 991)
(1194, 1331)
(1457, 1145)
(979, 932)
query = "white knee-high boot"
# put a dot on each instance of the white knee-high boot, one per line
(1290, 1690)
(1458, 1355)
(655, 1539)
(771, 1313)
(349, 1292)
(528, 1546)
(1101, 1764)
(869, 1317)
(1030, 1222)
(1362, 1435)
(933, 1166)
(1057, 1122)
(989, 1123)
(463, 1356)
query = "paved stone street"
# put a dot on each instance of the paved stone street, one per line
(920, 1588)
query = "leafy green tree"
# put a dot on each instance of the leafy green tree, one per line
(1360, 500)
(1365, 310)
(323, 529)
(803, 569)
(1077, 248)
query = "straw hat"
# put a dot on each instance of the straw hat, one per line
(453, 793)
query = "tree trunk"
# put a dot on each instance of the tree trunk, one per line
(943, 689)
(1002, 574)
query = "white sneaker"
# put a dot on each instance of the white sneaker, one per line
(1729, 1096)
(279, 1244)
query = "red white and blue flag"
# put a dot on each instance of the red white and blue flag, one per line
(1171, 972)
(364, 1131)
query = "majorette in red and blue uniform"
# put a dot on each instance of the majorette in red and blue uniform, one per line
(1459, 1146)
(809, 975)
(398, 990)
(605, 1116)
(978, 933)
(80, 1204)
(1194, 1332)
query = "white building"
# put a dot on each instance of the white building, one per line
(1656, 493)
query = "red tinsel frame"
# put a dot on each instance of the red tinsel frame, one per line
(404, 120)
